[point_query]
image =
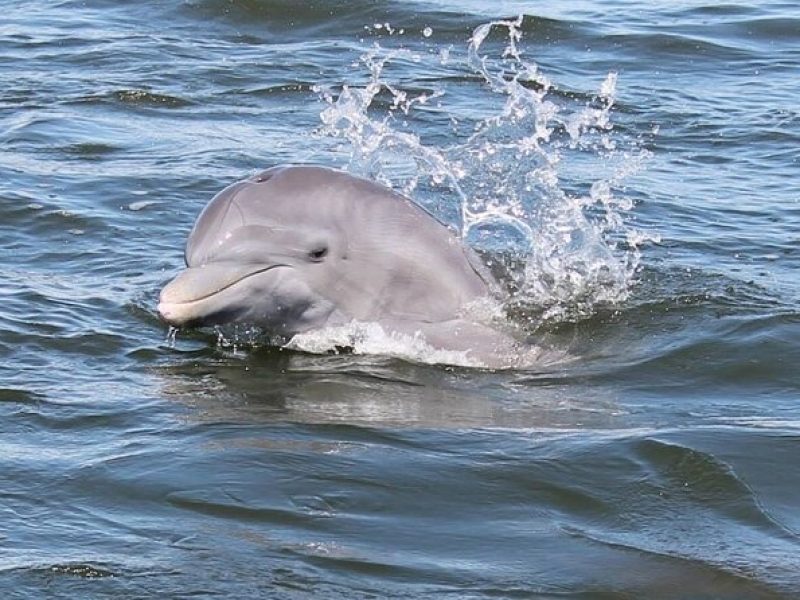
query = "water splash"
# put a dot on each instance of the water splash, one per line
(236, 338)
(171, 337)
(371, 338)
(537, 181)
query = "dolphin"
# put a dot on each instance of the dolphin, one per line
(298, 248)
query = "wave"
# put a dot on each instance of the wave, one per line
(370, 19)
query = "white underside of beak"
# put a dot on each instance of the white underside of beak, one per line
(188, 297)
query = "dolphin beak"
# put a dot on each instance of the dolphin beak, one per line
(192, 298)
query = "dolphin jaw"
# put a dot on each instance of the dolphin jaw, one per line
(191, 298)
(177, 314)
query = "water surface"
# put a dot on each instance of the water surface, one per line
(641, 159)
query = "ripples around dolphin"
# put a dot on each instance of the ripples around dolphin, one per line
(652, 150)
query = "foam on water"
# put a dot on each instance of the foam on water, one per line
(371, 338)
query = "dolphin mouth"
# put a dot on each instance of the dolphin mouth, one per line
(186, 300)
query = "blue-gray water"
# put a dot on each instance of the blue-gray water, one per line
(661, 462)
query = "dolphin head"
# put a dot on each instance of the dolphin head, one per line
(296, 247)
(254, 256)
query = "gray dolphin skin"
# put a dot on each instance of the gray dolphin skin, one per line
(298, 248)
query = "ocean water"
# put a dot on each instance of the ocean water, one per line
(630, 169)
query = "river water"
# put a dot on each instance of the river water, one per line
(632, 169)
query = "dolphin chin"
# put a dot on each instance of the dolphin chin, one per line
(206, 295)
(192, 314)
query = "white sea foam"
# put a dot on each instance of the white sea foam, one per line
(371, 338)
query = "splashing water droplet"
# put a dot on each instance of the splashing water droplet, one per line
(538, 183)
(427, 32)
(172, 336)
(222, 341)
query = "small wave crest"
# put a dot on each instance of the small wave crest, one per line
(483, 349)
(356, 337)
(536, 180)
(371, 338)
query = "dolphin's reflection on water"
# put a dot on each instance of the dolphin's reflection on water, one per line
(282, 385)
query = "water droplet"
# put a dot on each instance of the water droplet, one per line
(172, 336)
(427, 32)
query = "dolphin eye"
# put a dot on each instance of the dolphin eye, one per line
(317, 254)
